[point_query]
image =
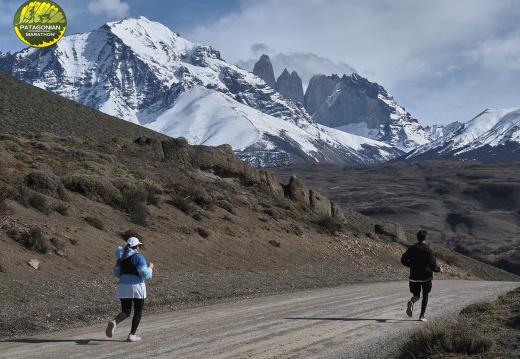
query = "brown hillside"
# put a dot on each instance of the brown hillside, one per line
(74, 181)
(470, 207)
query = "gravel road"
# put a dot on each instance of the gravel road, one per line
(354, 321)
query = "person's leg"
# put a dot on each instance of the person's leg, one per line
(415, 289)
(426, 289)
(126, 310)
(138, 311)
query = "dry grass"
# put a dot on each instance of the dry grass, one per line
(482, 330)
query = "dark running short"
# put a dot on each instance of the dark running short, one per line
(415, 287)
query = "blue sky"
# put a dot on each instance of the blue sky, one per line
(443, 60)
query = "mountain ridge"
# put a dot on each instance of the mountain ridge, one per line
(491, 136)
(123, 70)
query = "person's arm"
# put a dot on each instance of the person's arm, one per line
(117, 270)
(119, 253)
(143, 269)
(405, 258)
(433, 263)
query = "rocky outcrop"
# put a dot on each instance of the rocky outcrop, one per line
(334, 101)
(392, 230)
(300, 193)
(289, 85)
(264, 69)
(319, 89)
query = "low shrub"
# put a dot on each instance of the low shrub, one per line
(133, 203)
(93, 187)
(131, 233)
(330, 224)
(39, 202)
(95, 222)
(181, 203)
(62, 209)
(227, 206)
(275, 243)
(32, 239)
(5, 193)
(56, 243)
(479, 308)
(273, 213)
(197, 216)
(203, 232)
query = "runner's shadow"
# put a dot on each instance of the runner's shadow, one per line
(77, 341)
(379, 320)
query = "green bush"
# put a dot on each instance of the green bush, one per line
(95, 222)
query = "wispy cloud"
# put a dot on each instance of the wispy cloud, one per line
(110, 8)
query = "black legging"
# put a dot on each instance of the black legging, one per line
(424, 302)
(416, 288)
(126, 310)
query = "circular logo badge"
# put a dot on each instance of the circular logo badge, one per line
(40, 23)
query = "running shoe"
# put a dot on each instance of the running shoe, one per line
(111, 328)
(409, 308)
(133, 338)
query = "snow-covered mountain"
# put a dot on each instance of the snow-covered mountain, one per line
(141, 71)
(492, 136)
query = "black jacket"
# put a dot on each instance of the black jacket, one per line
(422, 262)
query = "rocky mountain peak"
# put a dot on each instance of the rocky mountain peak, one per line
(289, 85)
(264, 69)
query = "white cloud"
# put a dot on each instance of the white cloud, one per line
(110, 8)
(464, 54)
(305, 64)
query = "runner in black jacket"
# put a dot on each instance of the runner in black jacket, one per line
(422, 262)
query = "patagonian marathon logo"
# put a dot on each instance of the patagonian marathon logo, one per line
(40, 23)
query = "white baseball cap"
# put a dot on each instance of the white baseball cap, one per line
(133, 241)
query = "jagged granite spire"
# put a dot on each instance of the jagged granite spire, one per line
(352, 102)
(264, 69)
(290, 86)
